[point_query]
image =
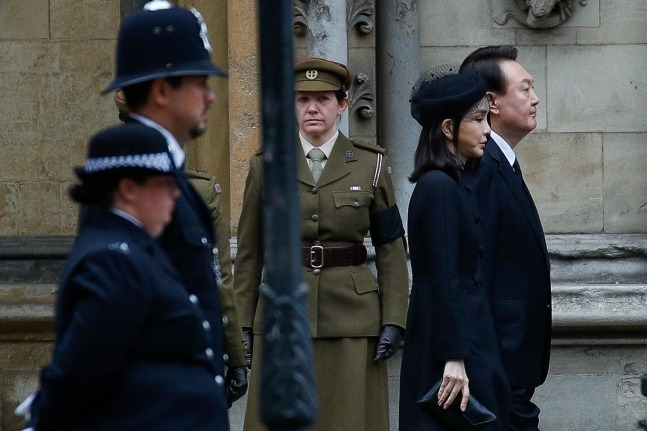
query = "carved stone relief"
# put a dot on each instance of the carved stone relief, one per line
(300, 24)
(539, 13)
(360, 18)
(361, 97)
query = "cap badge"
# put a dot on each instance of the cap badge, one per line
(311, 74)
(158, 5)
(203, 29)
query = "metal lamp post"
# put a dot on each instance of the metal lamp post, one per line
(288, 395)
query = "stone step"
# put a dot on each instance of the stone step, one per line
(27, 311)
(595, 309)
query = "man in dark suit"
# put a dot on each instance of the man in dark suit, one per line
(163, 62)
(517, 265)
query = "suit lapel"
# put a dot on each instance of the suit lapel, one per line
(336, 165)
(520, 192)
(304, 174)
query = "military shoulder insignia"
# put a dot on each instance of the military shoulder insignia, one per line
(367, 146)
(197, 173)
(217, 188)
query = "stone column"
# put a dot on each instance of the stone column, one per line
(328, 36)
(244, 98)
(398, 68)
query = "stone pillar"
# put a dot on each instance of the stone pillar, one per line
(398, 68)
(244, 98)
(328, 37)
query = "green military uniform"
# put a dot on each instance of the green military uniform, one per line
(347, 306)
(209, 190)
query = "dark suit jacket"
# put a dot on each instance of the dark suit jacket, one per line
(131, 348)
(449, 315)
(517, 269)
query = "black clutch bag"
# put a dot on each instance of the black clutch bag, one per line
(473, 418)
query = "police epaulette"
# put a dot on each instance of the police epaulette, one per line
(367, 146)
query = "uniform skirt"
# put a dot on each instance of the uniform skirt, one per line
(352, 389)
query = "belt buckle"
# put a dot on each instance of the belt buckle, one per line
(313, 252)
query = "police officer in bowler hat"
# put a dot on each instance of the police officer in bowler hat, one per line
(356, 320)
(163, 62)
(130, 341)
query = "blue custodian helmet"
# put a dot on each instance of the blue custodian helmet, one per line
(162, 41)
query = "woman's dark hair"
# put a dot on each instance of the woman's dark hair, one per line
(340, 95)
(433, 153)
(137, 94)
(486, 63)
(98, 192)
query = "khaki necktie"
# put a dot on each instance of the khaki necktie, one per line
(316, 155)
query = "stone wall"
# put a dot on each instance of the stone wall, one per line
(55, 57)
(585, 163)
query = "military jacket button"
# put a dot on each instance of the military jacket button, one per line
(225, 358)
(315, 217)
(204, 240)
(219, 380)
(316, 271)
(225, 321)
(209, 353)
(206, 325)
(314, 190)
(193, 299)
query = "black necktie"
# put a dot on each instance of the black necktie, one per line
(517, 169)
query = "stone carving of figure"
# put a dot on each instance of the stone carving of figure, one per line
(539, 13)
(540, 9)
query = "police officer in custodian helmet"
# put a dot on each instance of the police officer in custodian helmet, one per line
(163, 61)
(356, 321)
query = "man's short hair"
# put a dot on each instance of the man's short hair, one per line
(486, 63)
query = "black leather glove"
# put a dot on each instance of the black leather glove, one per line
(388, 343)
(236, 383)
(248, 344)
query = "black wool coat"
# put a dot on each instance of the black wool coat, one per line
(517, 269)
(449, 316)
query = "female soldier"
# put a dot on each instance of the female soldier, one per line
(345, 190)
(133, 349)
(450, 334)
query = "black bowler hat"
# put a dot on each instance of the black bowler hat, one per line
(449, 96)
(162, 41)
(119, 150)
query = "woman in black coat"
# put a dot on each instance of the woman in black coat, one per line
(133, 349)
(450, 334)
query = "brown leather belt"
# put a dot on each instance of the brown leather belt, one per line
(319, 256)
